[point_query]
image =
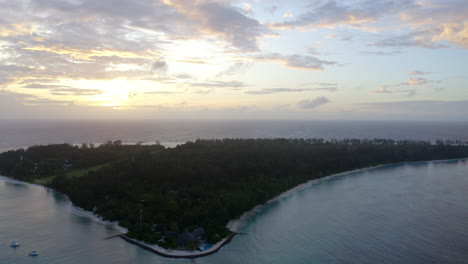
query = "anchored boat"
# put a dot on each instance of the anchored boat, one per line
(14, 244)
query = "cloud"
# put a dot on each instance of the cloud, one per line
(433, 37)
(427, 24)
(310, 104)
(219, 84)
(342, 37)
(417, 81)
(276, 90)
(290, 90)
(63, 89)
(223, 20)
(163, 92)
(28, 99)
(111, 39)
(194, 61)
(419, 38)
(340, 13)
(418, 72)
(271, 9)
(159, 66)
(327, 89)
(204, 91)
(75, 91)
(321, 84)
(288, 14)
(410, 82)
(238, 67)
(381, 53)
(44, 86)
(295, 61)
(384, 90)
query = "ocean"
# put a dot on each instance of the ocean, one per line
(24, 133)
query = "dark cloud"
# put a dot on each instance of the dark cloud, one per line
(159, 66)
(313, 103)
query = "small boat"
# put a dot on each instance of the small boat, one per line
(14, 244)
(33, 253)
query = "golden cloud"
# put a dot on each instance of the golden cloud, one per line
(88, 55)
(11, 30)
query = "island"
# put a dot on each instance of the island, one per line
(177, 202)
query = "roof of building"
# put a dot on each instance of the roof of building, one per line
(199, 232)
(185, 238)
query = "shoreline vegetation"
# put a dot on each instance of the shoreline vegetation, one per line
(181, 202)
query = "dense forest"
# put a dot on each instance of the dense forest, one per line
(160, 193)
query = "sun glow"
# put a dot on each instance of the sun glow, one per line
(114, 92)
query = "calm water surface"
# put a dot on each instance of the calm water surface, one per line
(410, 213)
(18, 134)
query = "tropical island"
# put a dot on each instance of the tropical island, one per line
(182, 198)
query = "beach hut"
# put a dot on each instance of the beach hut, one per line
(185, 238)
(198, 233)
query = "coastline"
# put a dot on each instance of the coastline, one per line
(234, 225)
(169, 253)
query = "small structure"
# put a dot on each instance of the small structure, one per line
(198, 233)
(185, 239)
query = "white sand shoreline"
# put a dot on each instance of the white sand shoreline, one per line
(237, 224)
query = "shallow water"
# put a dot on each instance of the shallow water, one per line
(407, 213)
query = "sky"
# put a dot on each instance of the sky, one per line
(224, 59)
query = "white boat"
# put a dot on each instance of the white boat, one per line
(14, 244)
(33, 253)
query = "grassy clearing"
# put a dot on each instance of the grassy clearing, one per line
(81, 172)
(71, 174)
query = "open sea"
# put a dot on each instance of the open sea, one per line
(412, 213)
